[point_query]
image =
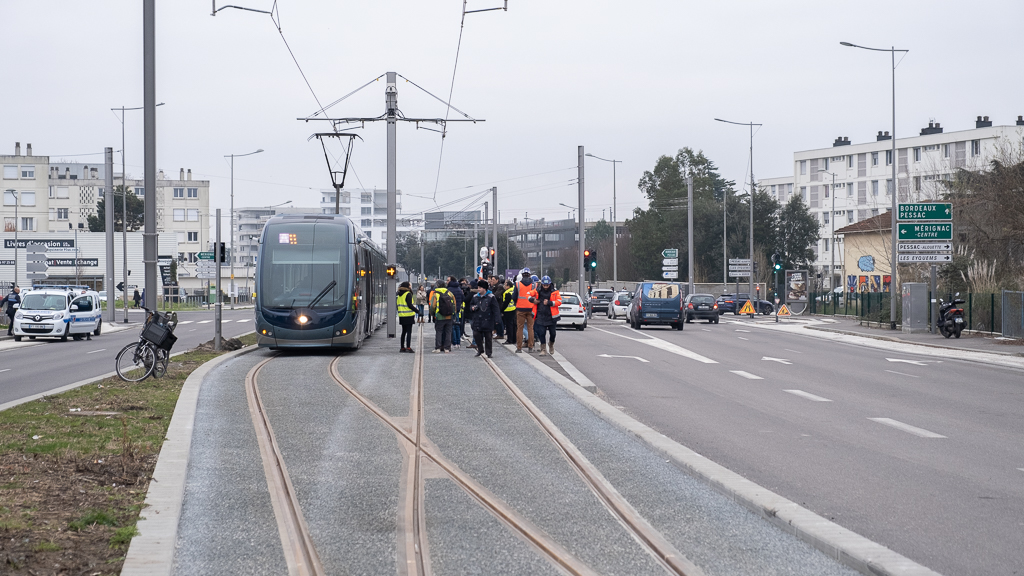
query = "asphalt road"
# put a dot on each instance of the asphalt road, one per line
(31, 367)
(919, 453)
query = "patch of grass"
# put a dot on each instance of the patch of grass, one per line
(93, 517)
(47, 547)
(123, 536)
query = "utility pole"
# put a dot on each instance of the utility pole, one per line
(476, 250)
(689, 231)
(494, 224)
(217, 302)
(580, 229)
(149, 236)
(108, 223)
(391, 112)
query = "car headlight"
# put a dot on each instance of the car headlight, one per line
(18, 316)
(58, 315)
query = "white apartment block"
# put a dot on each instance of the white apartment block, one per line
(849, 182)
(60, 197)
(369, 209)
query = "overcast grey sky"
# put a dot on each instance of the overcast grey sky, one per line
(628, 80)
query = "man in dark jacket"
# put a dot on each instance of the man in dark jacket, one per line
(456, 290)
(485, 310)
(468, 291)
(12, 299)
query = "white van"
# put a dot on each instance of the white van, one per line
(58, 312)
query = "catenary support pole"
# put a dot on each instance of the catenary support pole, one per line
(615, 228)
(231, 229)
(149, 236)
(580, 230)
(391, 112)
(689, 231)
(753, 188)
(932, 301)
(895, 264)
(217, 302)
(494, 227)
(108, 226)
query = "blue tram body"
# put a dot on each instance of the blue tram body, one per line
(320, 282)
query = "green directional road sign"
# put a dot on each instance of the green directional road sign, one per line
(926, 211)
(205, 255)
(941, 231)
(670, 253)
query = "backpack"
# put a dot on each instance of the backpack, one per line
(445, 305)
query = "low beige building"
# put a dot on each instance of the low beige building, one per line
(867, 254)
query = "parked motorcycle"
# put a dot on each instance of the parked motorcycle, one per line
(950, 321)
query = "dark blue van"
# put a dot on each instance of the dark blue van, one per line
(656, 303)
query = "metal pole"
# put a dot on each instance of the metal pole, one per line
(580, 229)
(895, 266)
(832, 241)
(108, 218)
(17, 200)
(78, 281)
(391, 110)
(494, 223)
(231, 220)
(217, 302)
(932, 303)
(149, 236)
(615, 230)
(689, 231)
(124, 223)
(476, 251)
(725, 239)
(423, 269)
(752, 189)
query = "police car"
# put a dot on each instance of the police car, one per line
(58, 312)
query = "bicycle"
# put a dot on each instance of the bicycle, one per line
(150, 355)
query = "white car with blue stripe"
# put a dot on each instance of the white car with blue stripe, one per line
(58, 312)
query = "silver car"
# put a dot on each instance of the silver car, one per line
(572, 312)
(619, 305)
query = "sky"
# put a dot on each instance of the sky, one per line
(630, 81)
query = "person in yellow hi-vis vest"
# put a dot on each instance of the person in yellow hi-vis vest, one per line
(406, 316)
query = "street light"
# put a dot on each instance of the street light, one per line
(17, 198)
(231, 218)
(124, 211)
(752, 189)
(615, 243)
(832, 241)
(892, 282)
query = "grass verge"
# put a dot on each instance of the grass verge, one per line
(75, 468)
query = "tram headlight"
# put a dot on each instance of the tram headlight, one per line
(303, 319)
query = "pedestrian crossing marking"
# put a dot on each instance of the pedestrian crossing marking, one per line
(784, 311)
(748, 308)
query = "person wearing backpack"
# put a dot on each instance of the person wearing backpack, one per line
(546, 314)
(455, 290)
(442, 309)
(485, 309)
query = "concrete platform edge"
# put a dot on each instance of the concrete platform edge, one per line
(846, 546)
(152, 551)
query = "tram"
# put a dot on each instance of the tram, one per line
(320, 282)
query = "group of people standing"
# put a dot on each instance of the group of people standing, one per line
(494, 309)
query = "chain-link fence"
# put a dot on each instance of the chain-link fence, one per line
(1013, 314)
(869, 306)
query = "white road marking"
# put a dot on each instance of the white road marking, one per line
(205, 321)
(914, 362)
(746, 375)
(244, 320)
(907, 428)
(192, 330)
(794, 351)
(95, 351)
(779, 360)
(807, 395)
(738, 330)
(1021, 469)
(185, 322)
(705, 329)
(5, 370)
(902, 374)
(742, 338)
(616, 356)
(664, 345)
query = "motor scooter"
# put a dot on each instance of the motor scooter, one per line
(950, 321)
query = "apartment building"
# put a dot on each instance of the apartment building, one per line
(369, 209)
(850, 182)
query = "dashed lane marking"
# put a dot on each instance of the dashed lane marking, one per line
(664, 345)
(742, 338)
(705, 329)
(185, 322)
(807, 395)
(794, 351)
(205, 321)
(746, 375)
(902, 374)
(739, 330)
(907, 428)
(244, 320)
(5, 370)
(95, 351)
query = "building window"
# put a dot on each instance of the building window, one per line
(100, 192)
(850, 218)
(366, 223)
(888, 157)
(975, 150)
(10, 199)
(888, 186)
(366, 197)
(874, 211)
(28, 198)
(179, 214)
(28, 224)
(10, 172)
(180, 237)
(824, 216)
(826, 245)
(803, 167)
(346, 197)
(193, 236)
(874, 187)
(803, 193)
(193, 192)
(945, 150)
(62, 191)
(193, 215)
(874, 158)
(917, 183)
(53, 214)
(917, 154)
(179, 192)
(140, 191)
(62, 213)
(366, 211)
(30, 171)
(192, 257)
(849, 161)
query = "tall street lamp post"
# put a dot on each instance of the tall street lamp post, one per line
(832, 238)
(893, 268)
(615, 233)
(752, 189)
(17, 199)
(231, 219)
(124, 212)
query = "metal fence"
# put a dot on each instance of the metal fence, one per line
(869, 306)
(1013, 314)
(983, 312)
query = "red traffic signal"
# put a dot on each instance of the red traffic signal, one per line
(586, 253)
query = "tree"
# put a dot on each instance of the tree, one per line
(796, 233)
(136, 212)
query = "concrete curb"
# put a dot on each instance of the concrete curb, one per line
(578, 376)
(152, 551)
(846, 546)
(901, 341)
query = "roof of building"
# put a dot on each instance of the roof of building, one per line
(882, 222)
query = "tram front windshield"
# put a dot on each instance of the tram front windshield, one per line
(300, 261)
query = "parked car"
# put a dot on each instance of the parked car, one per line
(734, 302)
(726, 303)
(103, 297)
(572, 312)
(58, 312)
(656, 303)
(619, 305)
(701, 307)
(600, 298)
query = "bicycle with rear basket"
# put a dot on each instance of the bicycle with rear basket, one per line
(149, 356)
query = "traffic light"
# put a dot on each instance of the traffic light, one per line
(492, 253)
(586, 258)
(391, 270)
(777, 262)
(593, 259)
